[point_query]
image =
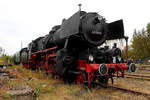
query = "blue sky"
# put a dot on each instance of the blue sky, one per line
(25, 20)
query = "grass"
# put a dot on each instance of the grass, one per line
(144, 65)
(1, 60)
(49, 89)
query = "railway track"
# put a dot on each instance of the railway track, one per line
(141, 77)
(146, 69)
(121, 89)
(131, 91)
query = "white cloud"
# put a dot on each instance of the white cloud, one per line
(25, 20)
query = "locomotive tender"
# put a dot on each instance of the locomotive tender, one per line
(71, 51)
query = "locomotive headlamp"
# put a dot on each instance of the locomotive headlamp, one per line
(102, 69)
(91, 58)
(100, 17)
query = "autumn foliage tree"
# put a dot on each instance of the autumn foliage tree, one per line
(140, 44)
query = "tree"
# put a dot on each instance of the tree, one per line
(130, 53)
(141, 43)
(148, 28)
(2, 52)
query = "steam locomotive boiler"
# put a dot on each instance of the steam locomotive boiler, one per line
(70, 50)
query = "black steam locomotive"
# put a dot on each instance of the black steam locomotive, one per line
(71, 50)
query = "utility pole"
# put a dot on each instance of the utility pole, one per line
(126, 39)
